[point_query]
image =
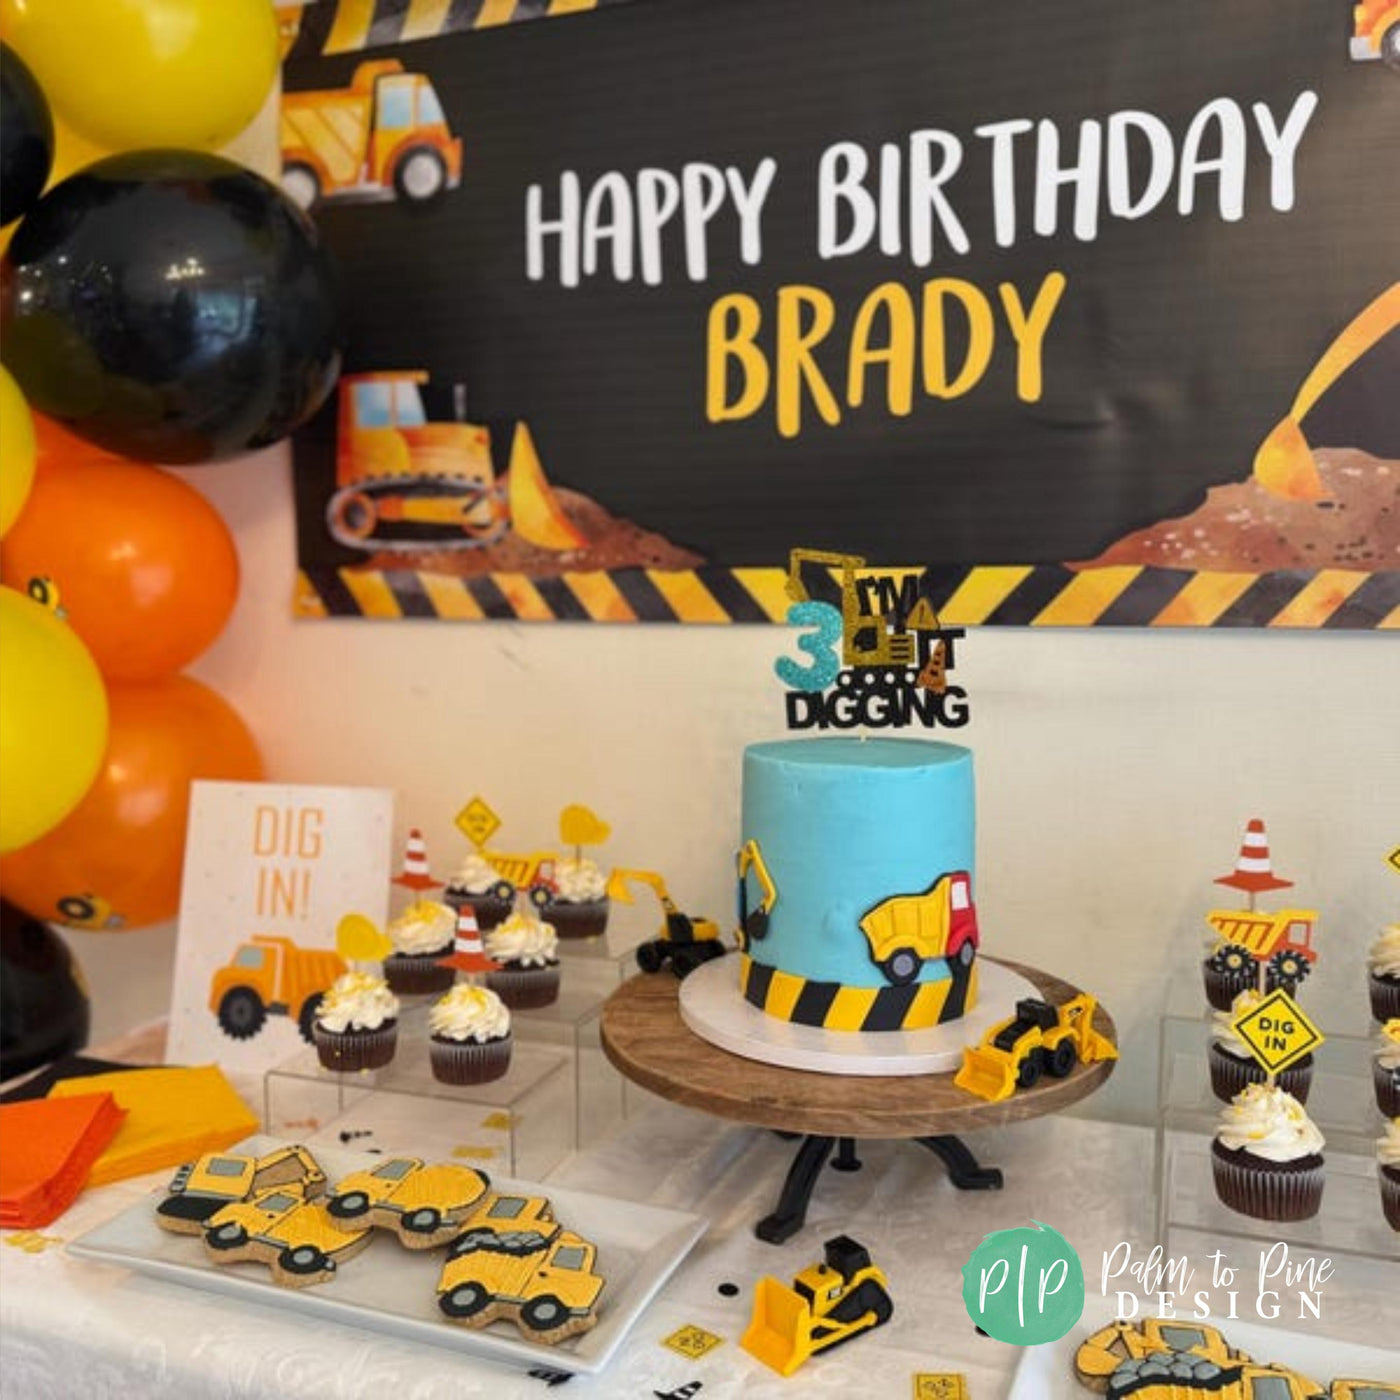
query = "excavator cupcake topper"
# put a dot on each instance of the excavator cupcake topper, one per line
(879, 656)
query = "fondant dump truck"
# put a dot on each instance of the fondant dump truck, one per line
(907, 930)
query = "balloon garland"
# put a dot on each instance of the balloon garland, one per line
(160, 305)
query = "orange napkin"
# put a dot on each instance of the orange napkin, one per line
(173, 1115)
(47, 1148)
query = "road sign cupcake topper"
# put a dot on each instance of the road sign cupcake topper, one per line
(477, 822)
(878, 656)
(1277, 1032)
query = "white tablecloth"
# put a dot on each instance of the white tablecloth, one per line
(75, 1328)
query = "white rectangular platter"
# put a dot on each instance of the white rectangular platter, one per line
(390, 1289)
(1047, 1372)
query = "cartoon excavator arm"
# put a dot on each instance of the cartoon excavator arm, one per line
(753, 923)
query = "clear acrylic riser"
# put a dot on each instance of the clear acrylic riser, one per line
(522, 1124)
(1341, 1101)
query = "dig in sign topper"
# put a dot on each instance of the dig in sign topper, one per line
(880, 657)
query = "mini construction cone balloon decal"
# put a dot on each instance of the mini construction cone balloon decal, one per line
(468, 954)
(415, 874)
(1254, 871)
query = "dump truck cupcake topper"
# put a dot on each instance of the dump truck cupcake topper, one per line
(879, 655)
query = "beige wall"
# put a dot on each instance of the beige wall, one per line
(1115, 769)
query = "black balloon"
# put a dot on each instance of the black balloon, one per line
(26, 137)
(44, 1010)
(170, 306)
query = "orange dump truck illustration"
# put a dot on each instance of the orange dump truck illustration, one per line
(271, 976)
(405, 483)
(384, 136)
(1376, 31)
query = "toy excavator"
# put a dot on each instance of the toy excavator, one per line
(828, 1303)
(684, 942)
(1038, 1038)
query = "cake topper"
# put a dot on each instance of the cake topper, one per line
(580, 826)
(358, 939)
(878, 654)
(478, 822)
(1254, 870)
(415, 874)
(468, 952)
(1276, 1032)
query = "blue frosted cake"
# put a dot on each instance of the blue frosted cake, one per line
(855, 876)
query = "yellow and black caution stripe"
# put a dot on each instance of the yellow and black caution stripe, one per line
(1044, 595)
(347, 26)
(836, 1007)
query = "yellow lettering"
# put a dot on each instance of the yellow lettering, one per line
(734, 322)
(1029, 330)
(981, 336)
(796, 366)
(896, 354)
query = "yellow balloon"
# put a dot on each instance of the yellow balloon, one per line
(16, 451)
(53, 720)
(127, 74)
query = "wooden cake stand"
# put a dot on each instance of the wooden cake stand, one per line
(644, 1036)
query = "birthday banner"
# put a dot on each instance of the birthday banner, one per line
(1090, 315)
(270, 869)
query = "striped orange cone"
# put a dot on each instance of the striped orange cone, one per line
(415, 874)
(1254, 871)
(468, 954)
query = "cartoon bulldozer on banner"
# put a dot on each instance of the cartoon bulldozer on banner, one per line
(404, 483)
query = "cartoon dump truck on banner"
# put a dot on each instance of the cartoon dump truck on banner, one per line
(271, 976)
(404, 483)
(384, 136)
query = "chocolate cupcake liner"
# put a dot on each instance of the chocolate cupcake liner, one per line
(1385, 997)
(581, 919)
(1390, 1195)
(348, 1051)
(1387, 1088)
(1268, 1190)
(1223, 987)
(469, 1061)
(1229, 1075)
(490, 909)
(525, 988)
(418, 974)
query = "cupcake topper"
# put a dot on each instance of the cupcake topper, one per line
(879, 655)
(1276, 1032)
(415, 874)
(468, 954)
(1254, 871)
(478, 822)
(580, 827)
(358, 939)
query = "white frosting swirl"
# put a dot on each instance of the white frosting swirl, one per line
(469, 1013)
(1388, 1146)
(1384, 957)
(1223, 1031)
(1388, 1044)
(578, 881)
(357, 1002)
(425, 926)
(475, 875)
(523, 939)
(1268, 1123)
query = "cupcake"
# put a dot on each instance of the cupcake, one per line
(1267, 1156)
(1387, 1068)
(481, 886)
(1384, 963)
(528, 952)
(1388, 1159)
(470, 1038)
(1232, 1066)
(356, 1025)
(578, 907)
(1228, 971)
(421, 935)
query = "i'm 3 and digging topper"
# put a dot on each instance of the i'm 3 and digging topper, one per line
(879, 656)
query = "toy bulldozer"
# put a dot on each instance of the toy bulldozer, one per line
(1039, 1038)
(828, 1303)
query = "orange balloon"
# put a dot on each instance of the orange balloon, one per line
(145, 567)
(115, 863)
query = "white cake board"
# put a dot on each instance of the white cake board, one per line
(713, 1007)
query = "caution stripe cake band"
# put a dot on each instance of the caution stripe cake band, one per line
(1045, 595)
(835, 1007)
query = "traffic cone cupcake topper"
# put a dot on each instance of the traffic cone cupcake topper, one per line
(415, 874)
(1254, 872)
(467, 953)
